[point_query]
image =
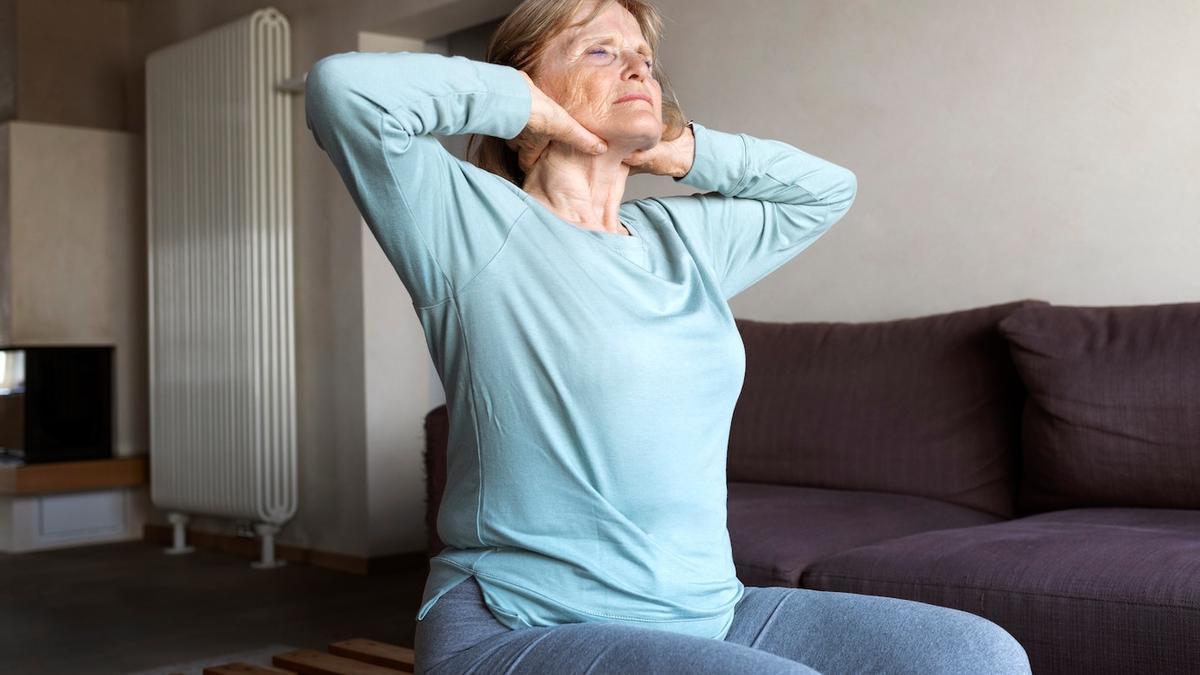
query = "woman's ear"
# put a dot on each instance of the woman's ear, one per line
(672, 132)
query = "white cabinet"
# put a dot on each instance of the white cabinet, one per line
(37, 522)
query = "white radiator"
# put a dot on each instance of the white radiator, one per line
(219, 191)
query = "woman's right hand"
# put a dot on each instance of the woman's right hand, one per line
(548, 121)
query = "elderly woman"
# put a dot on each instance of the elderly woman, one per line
(589, 356)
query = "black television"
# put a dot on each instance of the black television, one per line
(56, 403)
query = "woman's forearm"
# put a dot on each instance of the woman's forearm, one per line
(740, 165)
(424, 93)
(374, 115)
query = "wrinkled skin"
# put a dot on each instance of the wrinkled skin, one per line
(575, 107)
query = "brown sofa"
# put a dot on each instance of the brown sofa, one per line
(1038, 465)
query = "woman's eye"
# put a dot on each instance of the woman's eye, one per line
(610, 56)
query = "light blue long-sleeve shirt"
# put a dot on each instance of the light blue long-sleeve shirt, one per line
(590, 376)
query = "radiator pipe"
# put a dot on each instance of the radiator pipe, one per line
(267, 532)
(178, 534)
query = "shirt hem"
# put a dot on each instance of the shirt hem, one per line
(572, 608)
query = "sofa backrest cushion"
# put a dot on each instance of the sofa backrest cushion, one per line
(1113, 412)
(437, 440)
(927, 406)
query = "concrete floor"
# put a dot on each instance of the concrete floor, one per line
(123, 607)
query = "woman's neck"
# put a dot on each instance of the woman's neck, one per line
(579, 188)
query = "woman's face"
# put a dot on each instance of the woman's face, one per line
(578, 70)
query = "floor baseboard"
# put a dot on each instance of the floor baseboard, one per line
(249, 548)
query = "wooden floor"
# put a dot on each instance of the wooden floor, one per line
(123, 607)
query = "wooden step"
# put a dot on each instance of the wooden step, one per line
(312, 662)
(377, 653)
(357, 656)
(239, 668)
(88, 474)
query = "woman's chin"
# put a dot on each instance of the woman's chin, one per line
(641, 134)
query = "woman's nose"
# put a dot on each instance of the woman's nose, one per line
(635, 63)
(638, 72)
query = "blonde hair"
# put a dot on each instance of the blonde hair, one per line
(521, 40)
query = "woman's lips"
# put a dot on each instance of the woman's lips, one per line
(633, 97)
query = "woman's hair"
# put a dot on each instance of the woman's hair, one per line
(521, 40)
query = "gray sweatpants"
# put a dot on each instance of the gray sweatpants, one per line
(775, 630)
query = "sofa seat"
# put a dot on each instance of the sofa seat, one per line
(1089, 590)
(778, 530)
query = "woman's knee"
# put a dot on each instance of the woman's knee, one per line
(623, 648)
(973, 644)
(850, 632)
(599, 648)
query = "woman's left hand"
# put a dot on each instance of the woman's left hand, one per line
(669, 158)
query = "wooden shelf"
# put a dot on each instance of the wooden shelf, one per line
(95, 474)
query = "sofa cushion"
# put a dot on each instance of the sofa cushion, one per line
(778, 530)
(1113, 412)
(437, 439)
(1103, 590)
(927, 406)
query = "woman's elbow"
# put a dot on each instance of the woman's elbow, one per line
(334, 100)
(839, 193)
(324, 81)
(849, 187)
(841, 198)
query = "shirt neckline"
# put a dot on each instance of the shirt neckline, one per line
(631, 240)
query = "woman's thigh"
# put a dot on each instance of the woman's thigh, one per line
(850, 633)
(460, 635)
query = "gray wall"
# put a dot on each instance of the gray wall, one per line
(8, 59)
(73, 253)
(361, 486)
(1003, 150)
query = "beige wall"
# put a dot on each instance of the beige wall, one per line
(397, 367)
(1031, 148)
(361, 486)
(75, 253)
(5, 238)
(71, 62)
(8, 59)
(1003, 150)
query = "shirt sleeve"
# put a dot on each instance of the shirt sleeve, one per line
(766, 202)
(439, 219)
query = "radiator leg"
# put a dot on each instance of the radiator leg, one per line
(267, 533)
(178, 534)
